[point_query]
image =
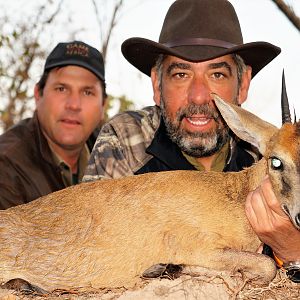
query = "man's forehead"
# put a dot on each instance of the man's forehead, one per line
(70, 69)
(176, 60)
(71, 73)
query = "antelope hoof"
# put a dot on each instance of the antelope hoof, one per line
(23, 286)
(170, 271)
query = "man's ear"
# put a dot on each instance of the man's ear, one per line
(104, 107)
(245, 84)
(155, 86)
(37, 94)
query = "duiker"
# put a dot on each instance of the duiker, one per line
(107, 233)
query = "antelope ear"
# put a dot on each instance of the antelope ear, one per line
(246, 125)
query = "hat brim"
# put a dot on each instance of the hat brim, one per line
(142, 53)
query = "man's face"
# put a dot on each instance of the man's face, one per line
(190, 115)
(70, 107)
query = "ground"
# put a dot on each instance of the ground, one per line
(219, 286)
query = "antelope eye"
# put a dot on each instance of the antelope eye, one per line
(276, 163)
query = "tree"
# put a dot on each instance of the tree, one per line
(289, 12)
(23, 49)
(106, 24)
(20, 51)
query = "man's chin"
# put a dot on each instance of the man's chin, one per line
(196, 139)
(69, 144)
(200, 152)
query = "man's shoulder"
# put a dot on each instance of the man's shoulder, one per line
(17, 138)
(120, 148)
(147, 115)
(135, 122)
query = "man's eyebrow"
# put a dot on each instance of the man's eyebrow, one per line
(222, 64)
(89, 87)
(177, 65)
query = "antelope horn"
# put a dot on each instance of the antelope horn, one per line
(285, 110)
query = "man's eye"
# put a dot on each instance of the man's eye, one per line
(218, 75)
(60, 88)
(88, 93)
(180, 75)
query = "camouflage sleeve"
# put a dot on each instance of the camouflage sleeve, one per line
(107, 159)
(120, 147)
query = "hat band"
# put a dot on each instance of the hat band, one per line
(199, 42)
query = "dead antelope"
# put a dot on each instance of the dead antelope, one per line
(107, 233)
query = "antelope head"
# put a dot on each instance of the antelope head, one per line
(280, 148)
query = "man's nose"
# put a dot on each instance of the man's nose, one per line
(73, 101)
(199, 91)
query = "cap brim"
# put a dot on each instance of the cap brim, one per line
(75, 63)
(142, 53)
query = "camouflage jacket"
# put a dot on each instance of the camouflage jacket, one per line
(136, 142)
(120, 149)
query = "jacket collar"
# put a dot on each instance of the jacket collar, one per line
(41, 140)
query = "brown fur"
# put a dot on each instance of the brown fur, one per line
(82, 236)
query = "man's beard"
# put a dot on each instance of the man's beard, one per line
(196, 144)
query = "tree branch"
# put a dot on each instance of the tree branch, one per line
(289, 12)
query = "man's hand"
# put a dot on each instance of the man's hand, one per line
(271, 224)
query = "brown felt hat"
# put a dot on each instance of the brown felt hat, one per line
(199, 30)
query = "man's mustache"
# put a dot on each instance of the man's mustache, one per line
(193, 109)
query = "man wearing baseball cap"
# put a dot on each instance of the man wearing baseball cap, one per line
(49, 151)
(200, 51)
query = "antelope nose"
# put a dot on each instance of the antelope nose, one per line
(297, 219)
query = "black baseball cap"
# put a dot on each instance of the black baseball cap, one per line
(79, 54)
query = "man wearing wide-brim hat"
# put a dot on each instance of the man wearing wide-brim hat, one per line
(200, 51)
